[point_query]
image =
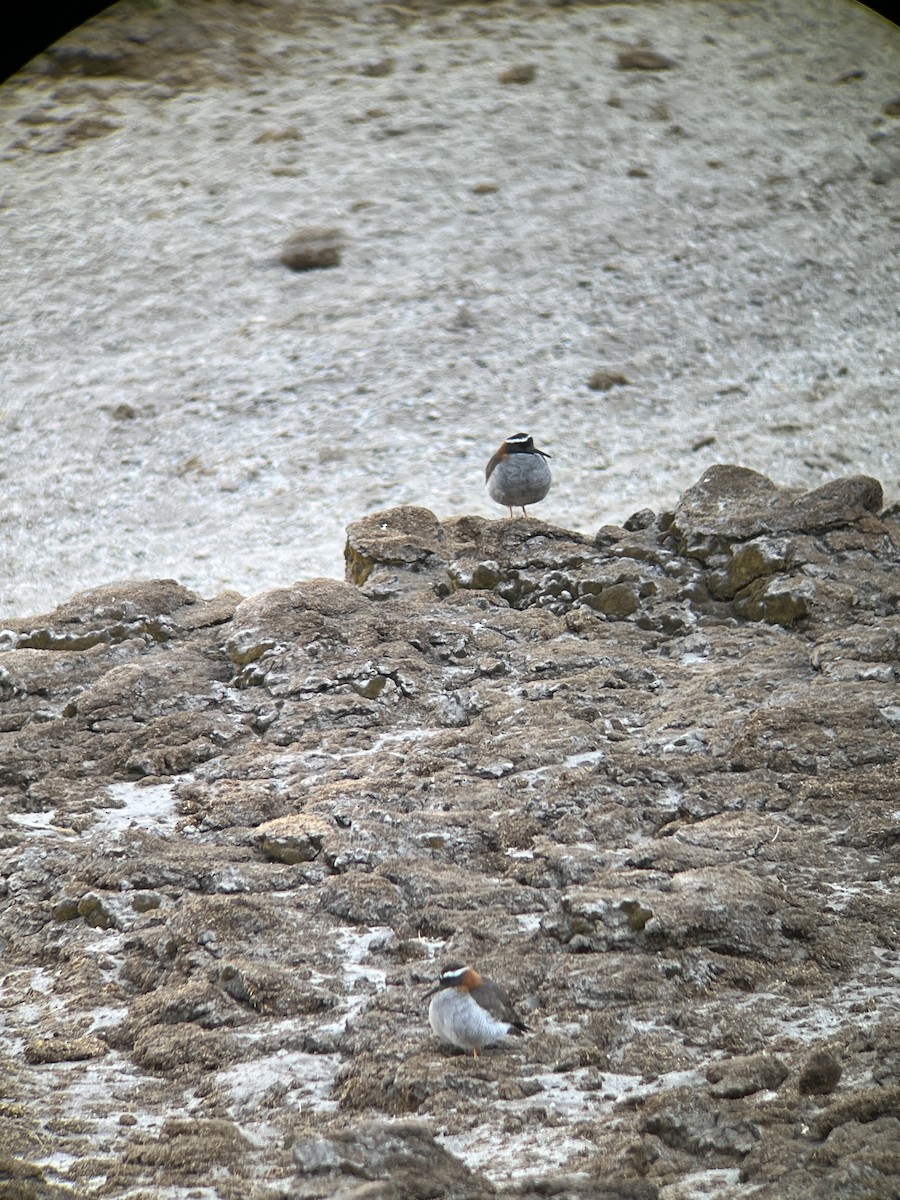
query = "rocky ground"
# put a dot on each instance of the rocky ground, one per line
(695, 199)
(646, 779)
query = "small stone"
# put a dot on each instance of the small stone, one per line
(293, 839)
(819, 1074)
(745, 1075)
(377, 70)
(637, 58)
(642, 519)
(65, 910)
(519, 1089)
(886, 174)
(495, 770)
(96, 912)
(463, 318)
(753, 560)
(289, 133)
(522, 73)
(608, 535)
(316, 1155)
(619, 600)
(313, 248)
(892, 107)
(63, 1049)
(485, 189)
(123, 412)
(638, 173)
(603, 380)
(776, 600)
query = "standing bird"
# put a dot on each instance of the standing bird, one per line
(471, 1011)
(517, 474)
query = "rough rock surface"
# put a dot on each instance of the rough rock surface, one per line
(647, 780)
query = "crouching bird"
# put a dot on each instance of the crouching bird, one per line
(471, 1011)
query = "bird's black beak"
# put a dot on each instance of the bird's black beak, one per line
(432, 991)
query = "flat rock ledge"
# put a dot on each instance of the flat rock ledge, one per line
(647, 779)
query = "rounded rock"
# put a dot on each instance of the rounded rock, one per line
(293, 839)
(313, 248)
(819, 1074)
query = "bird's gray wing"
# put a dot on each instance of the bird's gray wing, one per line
(494, 1000)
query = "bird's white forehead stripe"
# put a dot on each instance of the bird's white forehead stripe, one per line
(519, 437)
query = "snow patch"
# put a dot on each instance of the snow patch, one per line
(138, 806)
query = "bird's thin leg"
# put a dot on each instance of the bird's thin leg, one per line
(524, 513)
(475, 1053)
(509, 506)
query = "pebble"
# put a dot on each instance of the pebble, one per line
(56, 1049)
(523, 73)
(637, 58)
(602, 380)
(313, 248)
(819, 1074)
(377, 70)
(289, 133)
(293, 839)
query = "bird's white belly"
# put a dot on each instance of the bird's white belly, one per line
(463, 1022)
(519, 479)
